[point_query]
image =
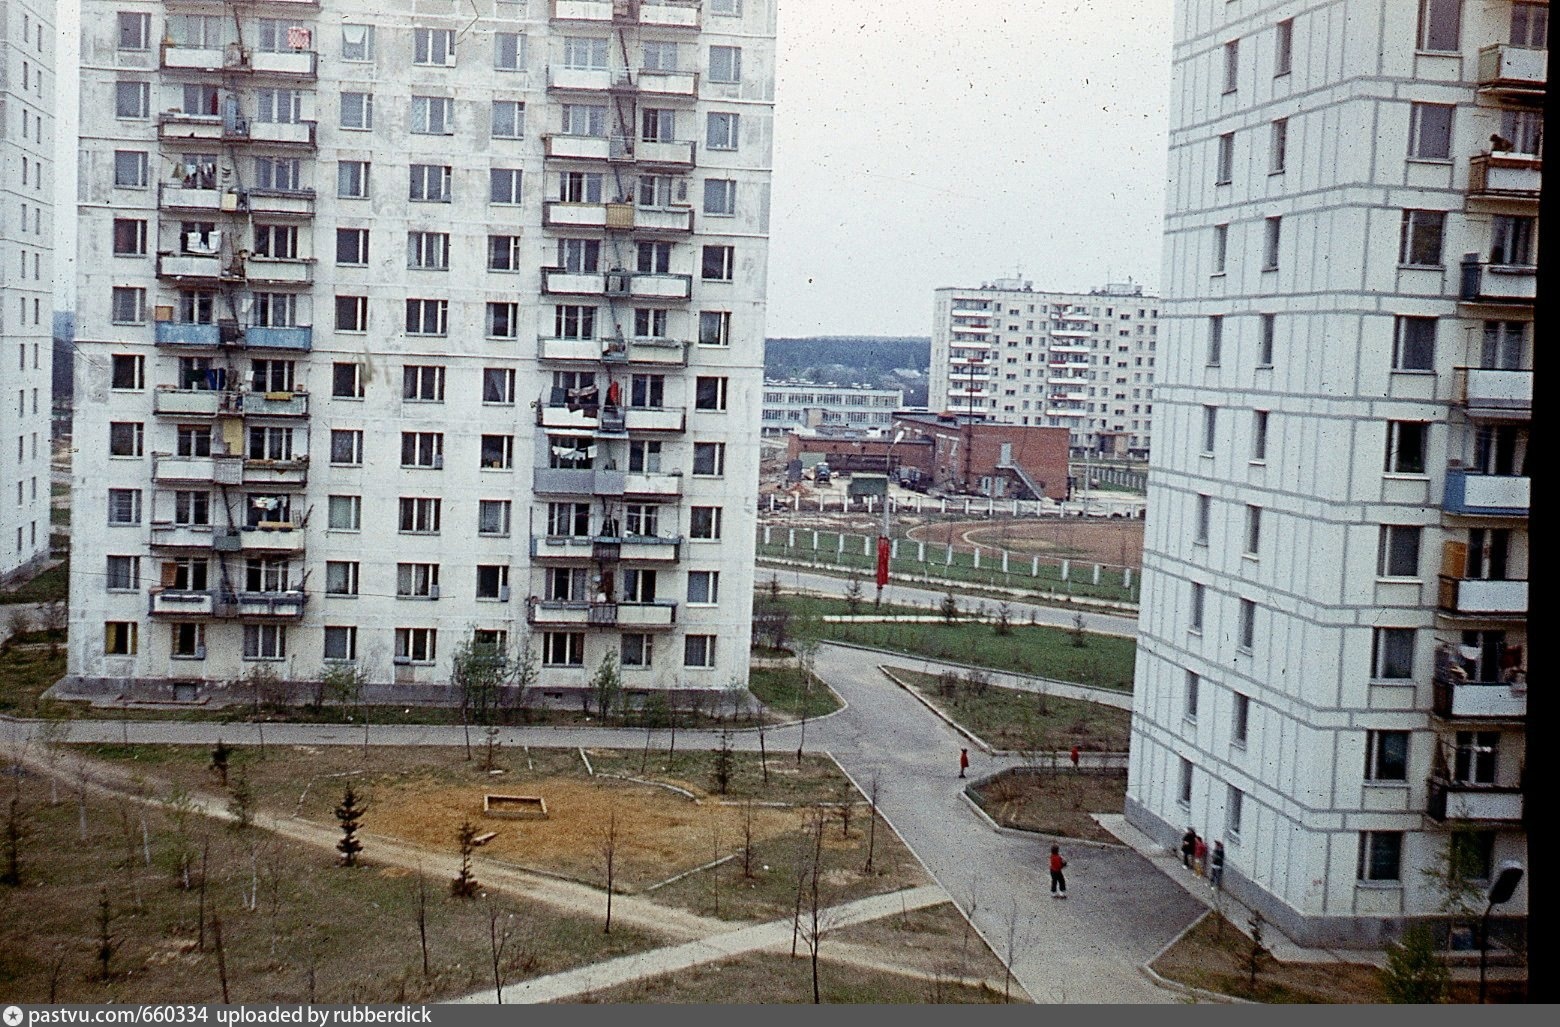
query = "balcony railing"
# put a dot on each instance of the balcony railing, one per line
(276, 472)
(189, 402)
(1460, 801)
(560, 77)
(660, 613)
(1493, 394)
(181, 603)
(576, 481)
(274, 404)
(658, 351)
(220, 470)
(1506, 176)
(1516, 69)
(265, 605)
(1494, 495)
(270, 270)
(637, 548)
(663, 84)
(296, 202)
(172, 196)
(293, 337)
(1504, 284)
(209, 267)
(1482, 597)
(561, 282)
(1479, 700)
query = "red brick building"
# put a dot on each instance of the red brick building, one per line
(1004, 461)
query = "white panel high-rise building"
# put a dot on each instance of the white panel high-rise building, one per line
(27, 49)
(1331, 665)
(410, 324)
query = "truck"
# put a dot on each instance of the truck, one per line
(821, 473)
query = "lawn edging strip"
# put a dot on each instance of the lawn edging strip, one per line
(1102, 692)
(967, 793)
(1169, 984)
(924, 701)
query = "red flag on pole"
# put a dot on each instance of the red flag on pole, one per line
(882, 561)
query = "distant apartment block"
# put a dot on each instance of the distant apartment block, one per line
(1332, 660)
(406, 326)
(26, 281)
(792, 405)
(1009, 354)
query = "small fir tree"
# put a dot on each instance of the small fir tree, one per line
(349, 815)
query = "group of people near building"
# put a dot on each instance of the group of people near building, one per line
(1201, 860)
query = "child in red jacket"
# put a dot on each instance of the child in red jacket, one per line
(1058, 882)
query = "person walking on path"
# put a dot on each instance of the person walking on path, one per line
(1074, 756)
(1188, 846)
(1058, 882)
(1200, 857)
(964, 761)
(1216, 867)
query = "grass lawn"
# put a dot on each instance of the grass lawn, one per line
(26, 671)
(52, 584)
(782, 690)
(1024, 721)
(1214, 955)
(295, 927)
(1056, 802)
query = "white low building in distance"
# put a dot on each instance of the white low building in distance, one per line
(410, 325)
(1008, 353)
(1331, 672)
(792, 405)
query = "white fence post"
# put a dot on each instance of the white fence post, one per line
(920, 551)
(841, 547)
(1034, 567)
(815, 540)
(977, 557)
(1126, 578)
(766, 534)
(1004, 561)
(1096, 574)
(893, 549)
(790, 538)
(1066, 569)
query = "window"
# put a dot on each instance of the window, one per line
(1473, 760)
(493, 517)
(430, 183)
(1504, 345)
(704, 522)
(1420, 244)
(278, 106)
(504, 185)
(654, 258)
(1221, 247)
(124, 573)
(1199, 601)
(345, 513)
(563, 649)
(1430, 131)
(125, 438)
(714, 328)
(279, 242)
(130, 169)
(585, 53)
(1192, 684)
(1265, 340)
(1474, 851)
(1270, 227)
(135, 30)
(416, 645)
(649, 323)
(493, 581)
(279, 173)
(704, 587)
(1283, 47)
(1440, 25)
(579, 256)
(1224, 170)
(659, 55)
(265, 641)
(124, 506)
(498, 453)
(187, 641)
(352, 246)
(710, 393)
(433, 46)
(642, 520)
(498, 385)
(1248, 625)
(357, 111)
(1279, 141)
(1231, 65)
(699, 651)
(1406, 444)
(1381, 855)
(1241, 721)
(709, 458)
(571, 520)
(346, 381)
(129, 237)
(191, 507)
(341, 643)
(127, 371)
(357, 42)
(432, 115)
(119, 638)
(637, 650)
(584, 119)
(423, 383)
(1393, 658)
(346, 447)
(719, 263)
(422, 449)
(417, 580)
(580, 187)
(1413, 344)
(1210, 429)
(509, 51)
(1511, 239)
(1253, 529)
(1259, 434)
(574, 322)
(1204, 517)
(352, 179)
(351, 316)
(1215, 339)
(1521, 131)
(726, 64)
(658, 125)
(419, 516)
(727, 7)
(503, 253)
(132, 100)
(1184, 793)
(428, 251)
(720, 196)
(1399, 551)
(720, 131)
(508, 119)
(129, 305)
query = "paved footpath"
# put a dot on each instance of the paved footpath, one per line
(1121, 909)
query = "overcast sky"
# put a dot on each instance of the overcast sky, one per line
(927, 143)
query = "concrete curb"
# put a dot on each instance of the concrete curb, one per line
(1147, 969)
(1024, 832)
(1114, 692)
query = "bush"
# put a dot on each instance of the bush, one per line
(1414, 974)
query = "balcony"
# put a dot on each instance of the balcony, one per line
(1460, 801)
(656, 351)
(272, 404)
(1479, 700)
(291, 63)
(596, 148)
(1479, 597)
(271, 271)
(661, 613)
(581, 79)
(636, 548)
(616, 216)
(198, 267)
(1505, 176)
(174, 197)
(1491, 394)
(669, 13)
(276, 472)
(189, 402)
(658, 287)
(572, 481)
(199, 58)
(185, 333)
(264, 605)
(561, 547)
(660, 85)
(181, 604)
(1513, 70)
(671, 154)
(293, 202)
(1488, 495)
(178, 127)
(292, 337)
(582, 10)
(1505, 285)
(662, 419)
(560, 282)
(653, 484)
(282, 133)
(559, 416)
(219, 470)
(545, 613)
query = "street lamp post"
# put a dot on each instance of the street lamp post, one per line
(884, 546)
(1506, 882)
